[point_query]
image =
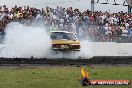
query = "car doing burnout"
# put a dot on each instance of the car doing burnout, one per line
(63, 40)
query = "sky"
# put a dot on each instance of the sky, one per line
(81, 4)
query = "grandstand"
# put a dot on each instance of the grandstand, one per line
(98, 26)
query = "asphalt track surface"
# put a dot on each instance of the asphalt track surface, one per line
(101, 60)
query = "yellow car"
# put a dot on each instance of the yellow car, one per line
(63, 40)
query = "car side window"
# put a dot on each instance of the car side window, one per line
(53, 37)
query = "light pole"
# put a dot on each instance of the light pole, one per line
(92, 6)
(129, 5)
(129, 9)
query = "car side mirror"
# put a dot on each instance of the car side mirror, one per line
(74, 39)
(53, 37)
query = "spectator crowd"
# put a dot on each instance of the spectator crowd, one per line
(95, 26)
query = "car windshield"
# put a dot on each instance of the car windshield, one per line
(62, 35)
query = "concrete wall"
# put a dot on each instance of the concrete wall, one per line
(110, 49)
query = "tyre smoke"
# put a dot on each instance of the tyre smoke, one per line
(26, 41)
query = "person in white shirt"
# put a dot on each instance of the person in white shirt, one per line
(126, 25)
(11, 16)
(74, 28)
(2, 16)
(124, 32)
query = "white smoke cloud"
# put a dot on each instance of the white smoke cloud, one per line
(86, 49)
(26, 41)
